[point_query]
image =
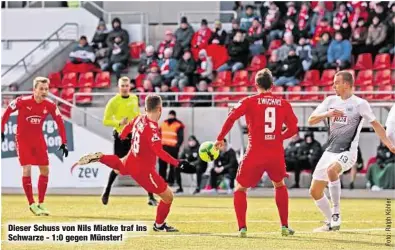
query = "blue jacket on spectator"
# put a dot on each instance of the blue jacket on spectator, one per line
(339, 50)
(246, 21)
(170, 70)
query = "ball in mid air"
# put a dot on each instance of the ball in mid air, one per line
(208, 152)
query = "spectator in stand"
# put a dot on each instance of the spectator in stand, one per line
(291, 11)
(238, 7)
(358, 39)
(345, 29)
(304, 18)
(320, 52)
(380, 175)
(255, 37)
(291, 69)
(184, 36)
(377, 33)
(168, 100)
(339, 16)
(238, 51)
(304, 53)
(184, 71)
(339, 53)
(320, 13)
(359, 12)
(205, 66)
(119, 56)
(378, 10)
(235, 29)
(201, 37)
(291, 157)
(321, 28)
(272, 21)
(147, 59)
(99, 43)
(154, 76)
(274, 64)
(247, 17)
(168, 66)
(283, 51)
(147, 86)
(202, 100)
(82, 53)
(390, 43)
(388, 20)
(169, 42)
(290, 27)
(219, 35)
(117, 31)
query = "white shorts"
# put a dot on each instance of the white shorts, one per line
(346, 160)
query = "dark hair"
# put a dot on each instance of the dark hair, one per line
(264, 79)
(83, 38)
(152, 101)
(172, 112)
(346, 76)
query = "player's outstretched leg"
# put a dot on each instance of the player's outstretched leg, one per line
(162, 212)
(42, 189)
(240, 205)
(322, 202)
(335, 189)
(27, 187)
(281, 197)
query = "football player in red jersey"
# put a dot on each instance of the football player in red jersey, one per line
(265, 116)
(140, 163)
(30, 143)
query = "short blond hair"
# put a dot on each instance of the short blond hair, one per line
(40, 79)
(152, 102)
(123, 79)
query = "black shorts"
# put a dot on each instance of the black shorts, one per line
(121, 147)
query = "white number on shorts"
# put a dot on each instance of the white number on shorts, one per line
(344, 158)
(136, 141)
(270, 120)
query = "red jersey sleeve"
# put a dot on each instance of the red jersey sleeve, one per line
(127, 129)
(291, 121)
(156, 145)
(57, 116)
(238, 111)
(11, 108)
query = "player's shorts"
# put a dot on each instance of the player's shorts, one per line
(32, 152)
(346, 160)
(253, 166)
(151, 181)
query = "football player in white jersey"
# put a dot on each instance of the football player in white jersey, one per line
(390, 124)
(345, 113)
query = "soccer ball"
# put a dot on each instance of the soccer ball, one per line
(208, 152)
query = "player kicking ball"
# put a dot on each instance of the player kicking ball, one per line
(30, 142)
(346, 114)
(140, 162)
(265, 115)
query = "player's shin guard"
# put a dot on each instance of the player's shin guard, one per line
(281, 196)
(161, 212)
(42, 188)
(113, 161)
(335, 190)
(27, 187)
(240, 204)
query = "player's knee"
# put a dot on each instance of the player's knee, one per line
(333, 171)
(315, 194)
(278, 184)
(240, 188)
(168, 198)
(44, 170)
(26, 170)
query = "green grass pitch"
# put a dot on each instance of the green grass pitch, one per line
(209, 223)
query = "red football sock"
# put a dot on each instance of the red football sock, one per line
(161, 212)
(27, 186)
(281, 196)
(240, 204)
(113, 162)
(42, 188)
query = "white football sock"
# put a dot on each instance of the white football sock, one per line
(335, 190)
(325, 207)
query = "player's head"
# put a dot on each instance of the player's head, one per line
(40, 87)
(153, 106)
(264, 80)
(124, 85)
(172, 114)
(343, 83)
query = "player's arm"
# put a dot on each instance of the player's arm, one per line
(322, 112)
(127, 129)
(156, 146)
(390, 124)
(11, 108)
(108, 119)
(291, 121)
(57, 116)
(238, 111)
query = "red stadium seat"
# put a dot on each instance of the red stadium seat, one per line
(275, 44)
(69, 80)
(135, 49)
(54, 91)
(86, 80)
(367, 88)
(385, 97)
(257, 63)
(313, 97)
(278, 91)
(393, 78)
(84, 99)
(241, 89)
(393, 64)
(327, 77)
(252, 79)
(139, 80)
(382, 61)
(103, 80)
(223, 78)
(221, 100)
(68, 94)
(55, 80)
(223, 89)
(382, 77)
(174, 89)
(240, 78)
(294, 97)
(364, 61)
(365, 77)
(311, 78)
